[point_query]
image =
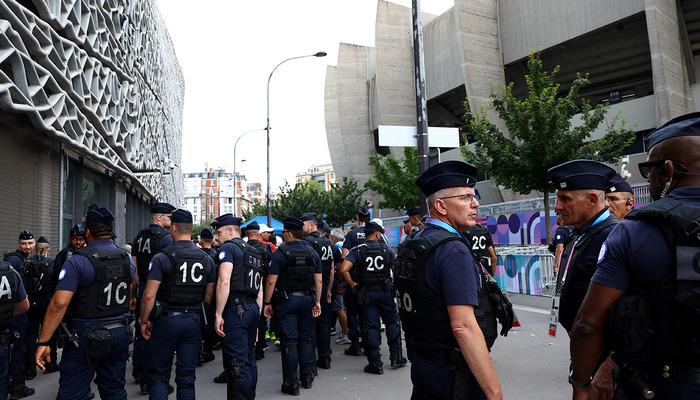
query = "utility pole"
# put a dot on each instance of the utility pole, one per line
(421, 100)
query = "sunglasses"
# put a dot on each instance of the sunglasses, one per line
(646, 167)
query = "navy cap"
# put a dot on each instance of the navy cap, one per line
(685, 125)
(181, 216)
(293, 224)
(413, 211)
(26, 235)
(371, 227)
(100, 215)
(93, 206)
(206, 233)
(162, 208)
(445, 175)
(363, 211)
(225, 220)
(253, 226)
(581, 174)
(308, 216)
(327, 228)
(77, 230)
(43, 239)
(618, 184)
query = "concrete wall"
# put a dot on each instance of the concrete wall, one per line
(536, 25)
(443, 54)
(336, 145)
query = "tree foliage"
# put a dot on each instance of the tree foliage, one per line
(395, 179)
(542, 133)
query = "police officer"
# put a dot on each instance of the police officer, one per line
(18, 259)
(238, 301)
(148, 242)
(559, 241)
(39, 273)
(645, 289)
(619, 197)
(296, 274)
(94, 287)
(440, 291)
(209, 336)
(414, 223)
(330, 256)
(482, 247)
(581, 186)
(13, 301)
(255, 240)
(181, 277)
(206, 241)
(374, 290)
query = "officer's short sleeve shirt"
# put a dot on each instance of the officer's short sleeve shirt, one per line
(452, 271)
(230, 252)
(354, 238)
(561, 235)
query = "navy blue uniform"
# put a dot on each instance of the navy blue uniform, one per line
(636, 257)
(241, 316)
(19, 325)
(451, 271)
(76, 275)
(379, 299)
(9, 296)
(292, 318)
(178, 329)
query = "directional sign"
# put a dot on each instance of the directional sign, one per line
(405, 136)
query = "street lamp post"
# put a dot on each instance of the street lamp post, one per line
(267, 128)
(235, 145)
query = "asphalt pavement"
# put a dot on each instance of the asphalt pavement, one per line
(531, 365)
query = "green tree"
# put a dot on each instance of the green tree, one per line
(198, 228)
(257, 208)
(342, 202)
(542, 134)
(303, 197)
(395, 179)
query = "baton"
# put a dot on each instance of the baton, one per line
(71, 336)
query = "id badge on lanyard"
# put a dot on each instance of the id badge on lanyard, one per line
(554, 310)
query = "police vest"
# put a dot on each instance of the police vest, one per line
(660, 325)
(422, 310)
(108, 296)
(38, 280)
(297, 274)
(265, 252)
(9, 288)
(375, 272)
(19, 255)
(324, 249)
(210, 252)
(478, 238)
(247, 278)
(578, 276)
(187, 282)
(146, 245)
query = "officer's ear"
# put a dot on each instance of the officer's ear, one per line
(668, 170)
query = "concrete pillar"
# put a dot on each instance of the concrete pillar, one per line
(336, 146)
(671, 87)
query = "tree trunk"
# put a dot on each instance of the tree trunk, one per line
(547, 220)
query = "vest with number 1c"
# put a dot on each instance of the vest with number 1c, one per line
(9, 283)
(375, 272)
(108, 296)
(186, 284)
(324, 249)
(247, 278)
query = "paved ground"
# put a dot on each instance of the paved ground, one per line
(531, 365)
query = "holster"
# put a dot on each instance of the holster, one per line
(156, 312)
(99, 344)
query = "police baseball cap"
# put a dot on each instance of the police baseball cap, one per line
(308, 216)
(618, 184)
(162, 208)
(181, 216)
(371, 227)
(99, 215)
(413, 211)
(445, 175)
(26, 235)
(43, 239)
(293, 224)
(253, 226)
(77, 230)
(581, 174)
(685, 125)
(206, 233)
(225, 220)
(363, 211)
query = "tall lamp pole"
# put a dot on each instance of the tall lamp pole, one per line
(267, 128)
(235, 145)
(421, 101)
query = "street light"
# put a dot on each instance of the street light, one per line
(267, 128)
(235, 203)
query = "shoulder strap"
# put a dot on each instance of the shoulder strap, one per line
(425, 244)
(671, 215)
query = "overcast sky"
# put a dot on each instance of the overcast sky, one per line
(228, 48)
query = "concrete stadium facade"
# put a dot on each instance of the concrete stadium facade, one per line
(643, 57)
(91, 98)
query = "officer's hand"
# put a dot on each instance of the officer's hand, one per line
(219, 325)
(132, 304)
(585, 394)
(329, 297)
(42, 353)
(267, 311)
(146, 330)
(603, 380)
(316, 311)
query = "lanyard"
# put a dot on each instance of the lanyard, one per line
(565, 272)
(445, 226)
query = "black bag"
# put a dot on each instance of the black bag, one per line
(99, 344)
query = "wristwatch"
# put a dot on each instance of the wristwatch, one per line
(38, 343)
(267, 303)
(578, 385)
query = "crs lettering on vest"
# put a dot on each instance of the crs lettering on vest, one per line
(688, 263)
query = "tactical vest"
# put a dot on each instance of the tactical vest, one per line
(19, 255)
(9, 285)
(375, 273)
(422, 310)
(247, 278)
(297, 274)
(186, 285)
(660, 325)
(210, 252)
(478, 239)
(108, 296)
(146, 245)
(324, 249)
(38, 279)
(265, 252)
(578, 276)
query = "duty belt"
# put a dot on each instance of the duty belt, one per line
(298, 293)
(173, 312)
(115, 325)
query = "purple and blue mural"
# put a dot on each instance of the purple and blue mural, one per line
(518, 273)
(523, 228)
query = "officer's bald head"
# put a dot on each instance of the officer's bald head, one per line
(682, 166)
(683, 149)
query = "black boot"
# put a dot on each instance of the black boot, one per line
(221, 378)
(307, 381)
(291, 389)
(398, 361)
(19, 390)
(374, 368)
(145, 389)
(354, 349)
(324, 363)
(259, 353)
